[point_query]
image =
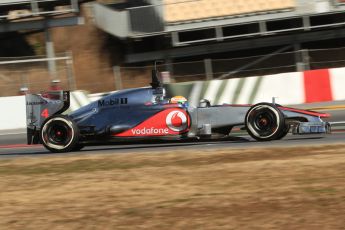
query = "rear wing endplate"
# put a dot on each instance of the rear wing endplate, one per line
(39, 107)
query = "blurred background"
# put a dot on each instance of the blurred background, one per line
(102, 46)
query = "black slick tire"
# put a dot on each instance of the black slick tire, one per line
(59, 134)
(265, 122)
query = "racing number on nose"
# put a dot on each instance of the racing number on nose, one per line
(45, 113)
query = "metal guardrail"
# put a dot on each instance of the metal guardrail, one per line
(34, 60)
(337, 123)
(31, 73)
(337, 126)
(15, 9)
(145, 21)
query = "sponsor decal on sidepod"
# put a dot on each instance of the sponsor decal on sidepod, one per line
(168, 122)
(176, 121)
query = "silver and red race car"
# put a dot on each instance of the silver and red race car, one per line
(147, 114)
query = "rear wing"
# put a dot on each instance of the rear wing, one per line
(39, 107)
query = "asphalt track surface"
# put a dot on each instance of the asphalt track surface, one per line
(14, 145)
(21, 150)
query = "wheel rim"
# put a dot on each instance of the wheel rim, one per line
(57, 133)
(263, 121)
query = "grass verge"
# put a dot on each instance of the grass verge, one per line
(276, 188)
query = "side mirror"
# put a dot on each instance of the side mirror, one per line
(204, 103)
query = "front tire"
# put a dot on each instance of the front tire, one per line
(265, 122)
(59, 134)
(284, 132)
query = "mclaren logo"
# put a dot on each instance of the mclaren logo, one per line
(176, 121)
(36, 103)
(43, 102)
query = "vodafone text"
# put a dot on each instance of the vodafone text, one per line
(150, 131)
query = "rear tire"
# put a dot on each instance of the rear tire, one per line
(265, 122)
(59, 134)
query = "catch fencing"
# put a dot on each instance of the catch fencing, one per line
(218, 68)
(35, 73)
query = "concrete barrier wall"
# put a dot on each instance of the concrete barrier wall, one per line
(337, 83)
(288, 88)
(12, 114)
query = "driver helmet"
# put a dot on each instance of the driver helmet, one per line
(178, 100)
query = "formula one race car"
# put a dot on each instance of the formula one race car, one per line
(146, 114)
